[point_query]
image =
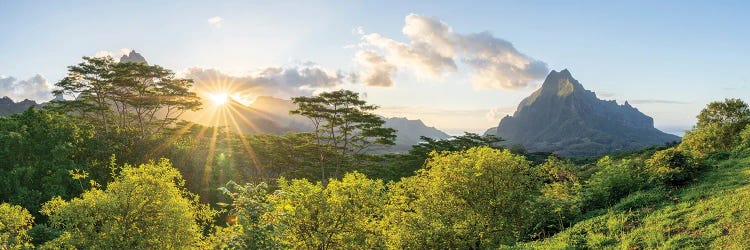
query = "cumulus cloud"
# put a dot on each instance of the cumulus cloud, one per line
(36, 88)
(113, 54)
(216, 21)
(378, 71)
(433, 49)
(271, 81)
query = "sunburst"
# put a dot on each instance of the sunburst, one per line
(218, 99)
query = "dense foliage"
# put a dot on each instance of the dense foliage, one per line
(68, 179)
(144, 207)
(40, 150)
(15, 223)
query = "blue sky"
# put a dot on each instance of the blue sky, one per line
(669, 58)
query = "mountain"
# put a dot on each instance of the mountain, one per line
(9, 107)
(133, 57)
(265, 115)
(271, 115)
(564, 118)
(409, 132)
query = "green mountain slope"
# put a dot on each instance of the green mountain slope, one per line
(713, 212)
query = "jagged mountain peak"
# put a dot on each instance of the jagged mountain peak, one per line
(133, 57)
(565, 118)
(561, 84)
(6, 100)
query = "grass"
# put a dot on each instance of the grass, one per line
(712, 212)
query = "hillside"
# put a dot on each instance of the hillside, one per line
(712, 213)
(564, 118)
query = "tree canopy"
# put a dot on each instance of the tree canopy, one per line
(130, 95)
(144, 207)
(343, 123)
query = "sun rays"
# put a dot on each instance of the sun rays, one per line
(218, 99)
(226, 119)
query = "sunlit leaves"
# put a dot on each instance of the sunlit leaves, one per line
(15, 223)
(144, 207)
(476, 198)
(342, 215)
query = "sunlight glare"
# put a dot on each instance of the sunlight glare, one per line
(219, 98)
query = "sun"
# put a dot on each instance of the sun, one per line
(219, 99)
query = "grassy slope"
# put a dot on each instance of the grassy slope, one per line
(713, 212)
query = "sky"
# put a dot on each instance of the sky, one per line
(458, 66)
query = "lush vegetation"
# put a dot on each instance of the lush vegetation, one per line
(116, 169)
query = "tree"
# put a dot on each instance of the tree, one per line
(15, 222)
(718, 128)
(342, 215)
(250, 215)
(731, 114)
(343, 123)
(125, 95)
(561, 200)
(144, 207)
(92, 85)
(476, 199)
(39, 150)
(421, 151)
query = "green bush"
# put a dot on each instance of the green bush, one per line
(671, 167)
(612, 181)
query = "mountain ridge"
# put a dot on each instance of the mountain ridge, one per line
(565, 118)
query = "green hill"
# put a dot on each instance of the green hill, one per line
(713, 212)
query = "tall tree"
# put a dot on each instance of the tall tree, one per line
(343, 123)
(91, 83)
(126, 95)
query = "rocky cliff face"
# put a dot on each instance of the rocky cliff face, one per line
(564, 118)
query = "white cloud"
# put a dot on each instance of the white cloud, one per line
(422, 59)
(216, 21)
(283, 82)
(495, 114)
(113, 54)
(379, 70)
(36, 88)
(433, 49)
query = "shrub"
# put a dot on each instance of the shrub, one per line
(671, 166)
(612, 181)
